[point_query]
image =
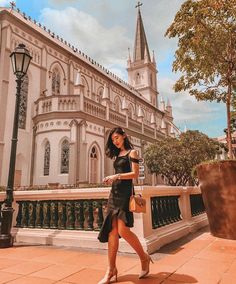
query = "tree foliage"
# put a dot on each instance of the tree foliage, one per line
(175, 158)
(206, 54)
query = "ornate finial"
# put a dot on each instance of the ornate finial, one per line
(139, 4)
(13, 4)
(129, 53)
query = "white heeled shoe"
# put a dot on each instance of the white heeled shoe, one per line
(112, 273)
(145, 266)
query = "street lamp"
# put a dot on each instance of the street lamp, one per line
(20, 59)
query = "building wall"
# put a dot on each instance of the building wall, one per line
(90, 101)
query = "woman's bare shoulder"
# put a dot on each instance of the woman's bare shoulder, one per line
(134, 154)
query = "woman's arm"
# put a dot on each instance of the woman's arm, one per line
(130, 175)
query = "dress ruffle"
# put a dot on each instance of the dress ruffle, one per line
(125, 216)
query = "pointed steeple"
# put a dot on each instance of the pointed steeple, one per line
(141, 49)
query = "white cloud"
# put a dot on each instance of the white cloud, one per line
(3, 3)
(186, 109)
(104, 31)
(108, 46)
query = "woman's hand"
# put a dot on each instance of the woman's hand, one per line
(110, 179)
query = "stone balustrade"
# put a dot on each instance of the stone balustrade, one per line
(73, 217)
(80, 103)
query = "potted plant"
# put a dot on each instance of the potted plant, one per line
(206, 56)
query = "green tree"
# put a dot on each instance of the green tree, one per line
(175, 158)
(206, 54)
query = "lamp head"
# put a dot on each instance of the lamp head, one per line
(20, 59)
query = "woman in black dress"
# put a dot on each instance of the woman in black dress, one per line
(118, 218)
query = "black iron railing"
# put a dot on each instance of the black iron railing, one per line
(61, 214)
(165, 210)
(197, 205)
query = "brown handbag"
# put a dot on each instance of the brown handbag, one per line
(137, 203)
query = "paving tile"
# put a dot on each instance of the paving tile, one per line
(22, 253)
(5, 277)
(90, 259)
(5, 262)
(87, 275)
(133, 278)
(212, 255)
(228, 279)
(26, 267)
(56, 272)
(232, 269)
(56, 257)
(30, 280)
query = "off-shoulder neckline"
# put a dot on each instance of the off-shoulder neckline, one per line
(124, 155)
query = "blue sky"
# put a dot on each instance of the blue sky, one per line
(105, 29)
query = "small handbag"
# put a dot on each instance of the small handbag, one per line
(137, 203)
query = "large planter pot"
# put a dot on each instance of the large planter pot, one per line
(218, 186)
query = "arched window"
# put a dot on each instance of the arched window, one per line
(130, 111)
(117, 104)
(100, 94)
(65, 150)
(137, 79)
(86, 87)
(46, 159)
(93, 165)
(23, 102)
(56, 81)
(151, 82)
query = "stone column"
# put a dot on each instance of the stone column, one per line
(82, 170)
(73, 157)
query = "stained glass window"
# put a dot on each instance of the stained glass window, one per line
(56, 81)
(23, 102)
(65, 150)
(46, 159)
(93, 165)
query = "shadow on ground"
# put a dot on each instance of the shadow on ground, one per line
(156, 278)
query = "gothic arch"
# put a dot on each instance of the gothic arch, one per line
(117, 104)
(130, 111)
(100, 94)
(46, 157)
(57, 64)
(64, 155)
(94, 158)
(137, 78)
(86, 86)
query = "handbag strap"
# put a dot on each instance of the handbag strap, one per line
(130, 164)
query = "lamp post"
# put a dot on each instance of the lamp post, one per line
(20, 59)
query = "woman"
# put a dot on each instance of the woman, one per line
(118, 218)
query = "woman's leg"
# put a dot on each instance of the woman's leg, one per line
(131, 238)
(113, 243)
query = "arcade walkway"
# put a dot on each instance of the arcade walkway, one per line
(198, 258)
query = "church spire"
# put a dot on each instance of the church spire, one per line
(141, 49)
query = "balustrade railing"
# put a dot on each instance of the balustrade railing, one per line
(70, 103)
(165, 210)
(46, 106)
(197, 205)
(94, 108)
(117, 118)
(135, 125)
(149, 131)
(61, 214)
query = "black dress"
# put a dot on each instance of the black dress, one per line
(118, 202)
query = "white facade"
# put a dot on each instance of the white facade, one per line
(71, 99)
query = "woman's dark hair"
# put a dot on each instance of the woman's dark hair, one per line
(111, 150)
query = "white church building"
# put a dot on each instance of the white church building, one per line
(69, 103)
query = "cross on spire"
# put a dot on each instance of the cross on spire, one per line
(13, 4)
(139, 4)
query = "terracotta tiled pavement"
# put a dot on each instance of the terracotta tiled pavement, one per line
(200, 258)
